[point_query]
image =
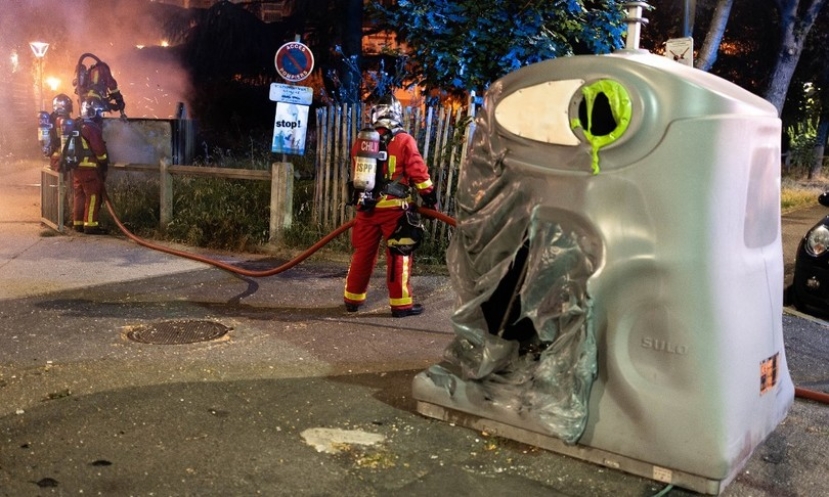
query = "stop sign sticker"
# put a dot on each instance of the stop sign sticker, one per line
(294, 61)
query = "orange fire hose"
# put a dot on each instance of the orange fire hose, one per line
(430, 213)
(245, 272)
(803, 393)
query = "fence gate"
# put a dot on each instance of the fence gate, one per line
(52, 198)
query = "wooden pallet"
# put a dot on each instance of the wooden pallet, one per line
(597, 456)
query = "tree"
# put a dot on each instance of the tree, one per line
(467, 44)
(806, 111)
(352, 50)
(822, 132)
(796, 20)
(710, 46)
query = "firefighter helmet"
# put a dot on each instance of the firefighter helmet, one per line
(62, 105)
(387, 113)
(93, 108)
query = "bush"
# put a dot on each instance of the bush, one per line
(801, 153)
(220, 213)
(135, 199)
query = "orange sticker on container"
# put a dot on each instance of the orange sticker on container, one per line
(768, 373)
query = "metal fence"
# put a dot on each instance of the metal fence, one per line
(442, 135)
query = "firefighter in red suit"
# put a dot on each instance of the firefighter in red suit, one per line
(104, 86)
(61, 119)
(97, 81)
(88, 178)
(378, 216)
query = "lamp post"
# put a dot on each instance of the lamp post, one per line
(39, 48)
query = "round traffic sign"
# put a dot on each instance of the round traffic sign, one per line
(294, 61)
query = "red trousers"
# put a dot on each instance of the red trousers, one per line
(370, 228)
(88, 189)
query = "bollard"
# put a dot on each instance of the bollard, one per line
(282, 199)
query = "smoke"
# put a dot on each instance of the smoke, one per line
(150, 78)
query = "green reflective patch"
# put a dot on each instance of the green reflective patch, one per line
(619, 105)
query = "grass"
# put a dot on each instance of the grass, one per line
(798, 194)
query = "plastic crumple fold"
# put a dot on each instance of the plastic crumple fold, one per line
(548, 377)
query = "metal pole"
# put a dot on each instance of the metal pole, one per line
(689, 9)
(39, 49)
(634, 20)
(40, 79)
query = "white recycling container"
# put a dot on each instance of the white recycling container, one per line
(619, 269)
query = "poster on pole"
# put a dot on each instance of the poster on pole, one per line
(291, 94)
(681, 50)
(289, 128)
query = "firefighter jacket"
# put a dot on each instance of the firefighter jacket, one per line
(94, 148)
(56, 143)
(104, 86)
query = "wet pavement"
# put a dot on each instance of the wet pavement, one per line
(297, 398)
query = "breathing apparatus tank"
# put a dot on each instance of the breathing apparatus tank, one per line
(44, 133)
(366, 160)
(69, 143)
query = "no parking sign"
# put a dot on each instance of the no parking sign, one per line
(294, 61)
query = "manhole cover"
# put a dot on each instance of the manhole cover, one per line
(177, 332)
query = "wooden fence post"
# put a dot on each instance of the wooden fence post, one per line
(282, 199)
(165, 187)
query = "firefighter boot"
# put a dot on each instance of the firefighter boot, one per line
(411, 311)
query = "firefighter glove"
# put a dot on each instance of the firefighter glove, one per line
(430, 199)
(120, 105)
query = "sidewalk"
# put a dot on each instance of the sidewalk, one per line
(297, 398)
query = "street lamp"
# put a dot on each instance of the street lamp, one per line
(39, 48)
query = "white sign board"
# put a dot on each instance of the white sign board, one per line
(289, 128)
(303, 95)
(681, 50)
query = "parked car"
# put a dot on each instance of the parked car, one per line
(809, 291)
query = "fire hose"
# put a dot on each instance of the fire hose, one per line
(430, 213)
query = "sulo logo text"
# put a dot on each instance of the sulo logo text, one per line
(663, 346)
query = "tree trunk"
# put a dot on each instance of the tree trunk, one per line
(820, 144)
(708, 52)
(352, 50)
(794, 30)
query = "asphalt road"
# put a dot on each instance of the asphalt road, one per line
(296, 398)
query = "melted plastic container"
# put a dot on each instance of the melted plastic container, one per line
(619, 267)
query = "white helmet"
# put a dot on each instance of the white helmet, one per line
(387, 113)
(93, 108)
(62, 105)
